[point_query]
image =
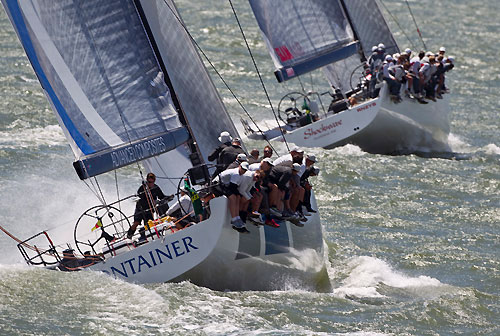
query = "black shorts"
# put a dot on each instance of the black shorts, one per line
(231, 189)
(140, 215)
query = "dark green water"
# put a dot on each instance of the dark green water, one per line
(413, 242)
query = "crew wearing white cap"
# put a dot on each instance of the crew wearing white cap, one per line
(296, 155)
(225, 140)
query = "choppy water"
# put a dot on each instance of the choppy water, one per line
(413, 242)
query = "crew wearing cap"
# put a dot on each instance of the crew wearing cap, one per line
(266, 164)
(225, 140)
(242, 157)
(375, 63)
(295, 156)
(182, 207)
(250, 194)
(447, 66)
(296, 191)
(414, 72)
(228, 155)
(389, 76)
(277, 183)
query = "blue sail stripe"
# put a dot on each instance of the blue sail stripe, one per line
(289, 72)
(17, 18)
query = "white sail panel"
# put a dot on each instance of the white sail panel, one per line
(96, 65)
(303, 35)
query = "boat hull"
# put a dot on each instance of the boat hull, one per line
(405, 128)
(213, 255)
(335, 128)
(379, 126)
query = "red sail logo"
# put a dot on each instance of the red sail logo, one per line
(283, 53)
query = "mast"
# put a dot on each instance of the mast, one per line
(195, 157)
(354, 31)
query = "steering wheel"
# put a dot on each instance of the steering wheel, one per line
(96, 224)
(291, 112)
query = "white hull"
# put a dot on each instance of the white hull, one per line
(335, 128)
(380, 126)
(404, 128)
(213, 255)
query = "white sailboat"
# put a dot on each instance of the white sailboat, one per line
(127, 85)
(338, 36)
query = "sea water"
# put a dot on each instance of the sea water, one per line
(413, 243)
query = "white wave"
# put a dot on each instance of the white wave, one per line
(366, 273)
(20, 134)
(349, 150)
(492, 149)
(458, 145)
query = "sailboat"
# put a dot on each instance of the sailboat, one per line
(128, 87)
(337, 36)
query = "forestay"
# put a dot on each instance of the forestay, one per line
(96, 66)
(303, 35)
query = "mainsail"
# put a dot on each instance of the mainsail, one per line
(303, 35)
(117, 92)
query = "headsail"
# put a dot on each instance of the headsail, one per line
(370, 26)
(98, 70)
(303, 35)
(202, 106)
(371, 29)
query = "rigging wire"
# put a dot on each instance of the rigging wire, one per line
(165, 173)
(100, 191)
(301, 84)
(219, 75)
(258, 73)
(93, 189)
(416, 26)
(399, 26)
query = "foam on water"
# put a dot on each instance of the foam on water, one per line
(349, 150)
(21, 134)
(367, 273)
(492, 149)
(458, 145)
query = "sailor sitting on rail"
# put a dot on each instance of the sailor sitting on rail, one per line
(250, 195)
(229, 181)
